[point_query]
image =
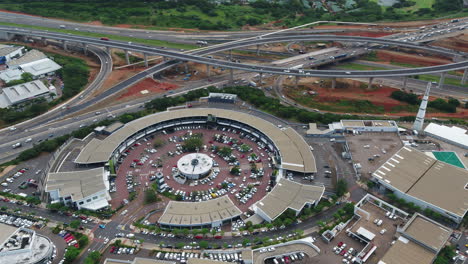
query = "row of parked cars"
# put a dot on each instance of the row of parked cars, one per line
(288, 258)
(69, 238)
(349, 255)
(122, 250)
(16, 221)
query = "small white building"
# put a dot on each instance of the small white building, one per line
(453, 135)
(24, 92)
(81, 189)
(364, 126)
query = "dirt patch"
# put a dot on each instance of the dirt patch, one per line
(372, 34)
(18, 13)
(149, 86)
(352, 90)
(116, 77)
(94, 23)
(455, 43)
(414, 59)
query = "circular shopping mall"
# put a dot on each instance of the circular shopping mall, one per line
(214, 165)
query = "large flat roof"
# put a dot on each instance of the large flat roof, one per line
(454, 134)
(7, 231)
(30, 56)
(199, 213)
(77, 184)
(405, 251)
(288, 194)
(24, 91)
(39, 67)
(11, 75)
(296, 154)
(427, 232)
(8, 49)
(421, 176)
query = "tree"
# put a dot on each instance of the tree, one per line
(93, 258)
(180, 245)
(83, 241)
(71, 254)
(150, 196)
(205, 231)
(225, 151)
(75, 224)
(158, 142)
(235, 170)
(192, 144)
(341, 187)
(203, 244)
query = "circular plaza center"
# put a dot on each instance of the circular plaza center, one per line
(195, 165)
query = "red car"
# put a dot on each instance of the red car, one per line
(342, 252)
(136, 160)
(22, 171)
(104, 38)
(76, 245)
(140, 164)
(340, 244)
(83, 217)
(198, 237)
(112, 249)
(218, 237)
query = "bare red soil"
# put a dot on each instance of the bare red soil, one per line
(456, 43)
(148, 84)
(372, 34)
(392, 56)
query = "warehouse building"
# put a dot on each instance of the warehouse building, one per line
(287, 195)
(8, 53)
(24, 92)
(416, 177)
(85, 189)
(211, 213)
(453, 135)
(11, 75)
(419, 242)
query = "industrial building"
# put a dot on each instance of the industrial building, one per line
(453, 135)
(23, 245)
(8, 53)
(419, 242)
(87, 189)
(24, 92)
(287, 195)
(416, 177)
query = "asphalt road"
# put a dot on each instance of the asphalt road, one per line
(195, 57)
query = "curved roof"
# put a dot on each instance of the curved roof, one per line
(296, 154)
(199, 213)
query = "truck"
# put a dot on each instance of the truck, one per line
(340, 56)
(253, 84)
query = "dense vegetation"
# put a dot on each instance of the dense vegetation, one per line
(449, 106)
(206, 14)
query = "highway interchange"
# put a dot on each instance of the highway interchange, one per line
(57, 121)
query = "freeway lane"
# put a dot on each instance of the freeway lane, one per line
(194, 57)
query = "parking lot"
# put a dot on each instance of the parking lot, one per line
(25, 177)
(142, 163)
(372, 149)
(266, 256)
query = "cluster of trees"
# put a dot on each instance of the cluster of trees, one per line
(449, 106)
(93, 258)
(150, 196)
(212, 15)
(445, 255)
(74, 74)
(192, 143)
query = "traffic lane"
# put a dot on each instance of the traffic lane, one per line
(267, 69)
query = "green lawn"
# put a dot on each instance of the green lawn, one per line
(451, 81)
(152, 42)
(359, 67)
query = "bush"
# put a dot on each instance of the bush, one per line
(341, 187)
(71, 254)
(150, 196)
